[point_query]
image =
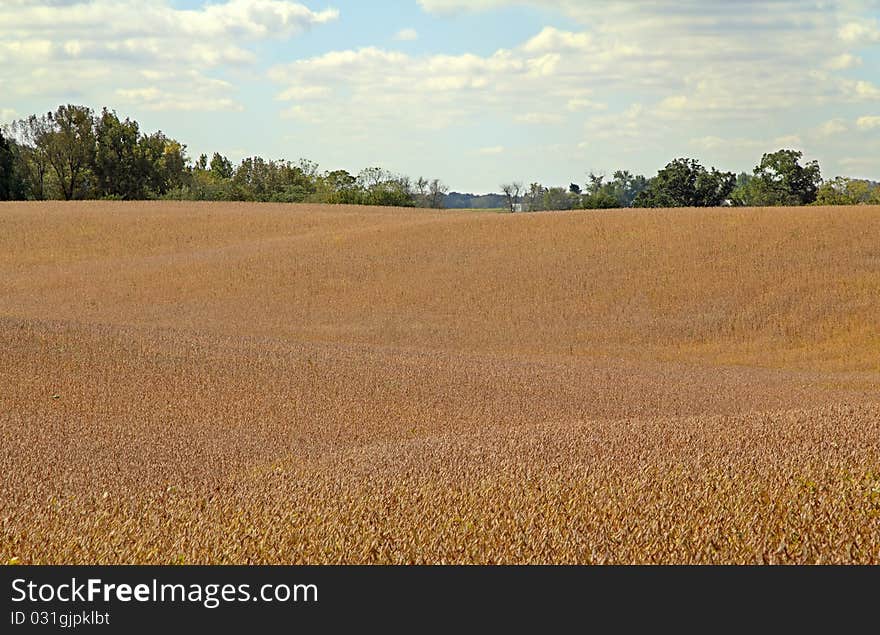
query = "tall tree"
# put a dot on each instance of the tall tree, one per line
(599, 194)
(9, 188)
(70, 147)
(511, 194)
(557, 198)
(437, 191)
(221, 167)
(420, 191)
(844, 191)
(534, 198)
(780, 179)
(33, 158)
(627, 186)
(686, 183)
(162, 164)
(116, 157)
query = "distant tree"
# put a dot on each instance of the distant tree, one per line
(381, 187)
(403, 184)
(534, 198)
(862, 192)
(686, 183)
(69, 143)
(370, 178)
(780, 179)
(344, 187)
(574, 188)
(512, 193)
(627, 186)
(421, 191)
(458, 200)
(740, 194)
(557, 198)
(713, 188)
(33, 157)
(308, 169)
(393, 192)
(845, 191)
(116, 157)
(437, 191)
(221, 167)
(598, 194)
(10, 188)
(162, 164)
(295, 182)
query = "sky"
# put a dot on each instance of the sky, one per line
(474, 92)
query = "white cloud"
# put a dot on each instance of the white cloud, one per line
(791, 140)
(578, 104)
(633, 123)
(860, 90)
(843, 62)
(492, 150)
(406, 35)
(539, 118)
(454, 6)
(96, 20)
(551, 39)
(712, 142)
(832, 127)
(185, 91)
(427, 92)
(62, 48)
(860, 32)
(304, 93)
(868, 122)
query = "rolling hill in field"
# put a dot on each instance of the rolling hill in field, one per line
(241, 383)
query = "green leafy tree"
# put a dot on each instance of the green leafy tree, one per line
(297, 182)
(383, 188)
(599, 194)
(162, 164)
(780, 179)
(557, 198)
(342, 187)
(740, 194)
(862, 192)
(686, 183)
(221, 167)
(32, 157)
(11, 187)
(116, 157)
(845, 191)
(628, 186)
(534, 198)
(713, 188)
(69, 144)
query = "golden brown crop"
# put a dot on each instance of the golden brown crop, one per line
(236, 383)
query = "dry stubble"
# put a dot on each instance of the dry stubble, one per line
(256, 383)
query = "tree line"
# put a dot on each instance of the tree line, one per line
(779, 179)
(75, 153)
